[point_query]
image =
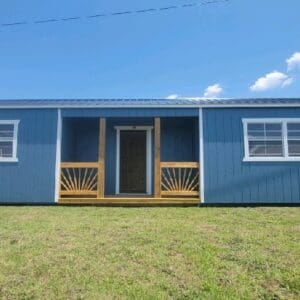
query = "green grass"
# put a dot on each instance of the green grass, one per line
(149, 253)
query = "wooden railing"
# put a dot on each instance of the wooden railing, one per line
(81, 179)
(179, 178)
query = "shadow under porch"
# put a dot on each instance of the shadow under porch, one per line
(90, 155)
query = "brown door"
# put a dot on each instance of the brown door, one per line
(132, 161)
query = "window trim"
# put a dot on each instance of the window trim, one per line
(283, 122)
(14, 157)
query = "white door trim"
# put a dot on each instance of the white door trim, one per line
(148, 130)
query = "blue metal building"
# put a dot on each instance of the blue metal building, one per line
(233, 151)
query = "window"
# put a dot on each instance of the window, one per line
(293, 132)
(265, 139)
(8, 140)
(271, 139)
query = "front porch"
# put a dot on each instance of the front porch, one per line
(103, 162)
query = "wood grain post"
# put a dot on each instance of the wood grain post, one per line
(157, 167)
(101, 157)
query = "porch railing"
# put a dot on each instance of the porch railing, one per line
(179, 178)
(85, 179)
(81, 179)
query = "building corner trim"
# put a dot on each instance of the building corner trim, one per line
(201, 156)
(58, 154)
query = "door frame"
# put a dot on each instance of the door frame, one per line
(148, 130)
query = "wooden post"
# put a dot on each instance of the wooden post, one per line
(101, 158)
(157, 167)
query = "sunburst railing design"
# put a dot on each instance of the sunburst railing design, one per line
(79, 179)
(179, 179)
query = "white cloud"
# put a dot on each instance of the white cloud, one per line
(288, 81)
(270, 81)
(294, 61)
(172, 97)
(213, 91)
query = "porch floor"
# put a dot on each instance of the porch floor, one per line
(132, 201)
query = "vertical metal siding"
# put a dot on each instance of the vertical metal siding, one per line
(179, 139)
(80, 139)
(68, 141)
(230, 180)
(130, 112)
(32, 178)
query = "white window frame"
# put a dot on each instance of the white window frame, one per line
(14, 140)
(283, 122)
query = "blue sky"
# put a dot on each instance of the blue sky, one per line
(230, 47)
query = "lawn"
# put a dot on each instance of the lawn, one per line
(149, 253)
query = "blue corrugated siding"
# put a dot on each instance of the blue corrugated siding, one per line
(32, 178)
(179, 139)
(130, 112)
(68, 141)
(80, 138)
(230, 180)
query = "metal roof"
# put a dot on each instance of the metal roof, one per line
(117, 103)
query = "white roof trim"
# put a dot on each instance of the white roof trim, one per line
(150, 106)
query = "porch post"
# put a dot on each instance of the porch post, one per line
(101, 157)
(157, 168)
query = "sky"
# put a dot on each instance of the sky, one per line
(233, 49)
